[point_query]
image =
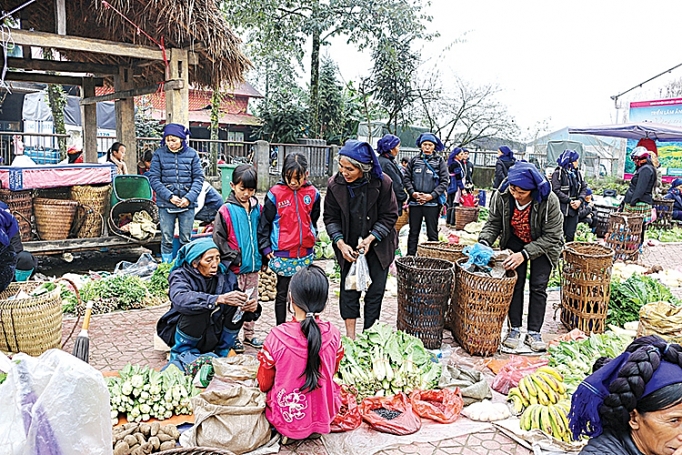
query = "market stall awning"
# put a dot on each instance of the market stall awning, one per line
(639, 130)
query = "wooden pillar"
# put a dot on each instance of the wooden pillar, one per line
(177, 101)
(60, 16)
(125, 117)
(89, 122)
(262, 160)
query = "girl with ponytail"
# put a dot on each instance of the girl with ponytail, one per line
(299, 360)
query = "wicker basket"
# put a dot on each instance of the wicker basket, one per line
(478, 312)
(586, 286)
(625, 235)
(450, 252)
(464, 216)
(664, 213)
(402, 221)
(602, 216)
(195, 451)
(21, 205)
(54, 217)
(131, 206)
(424, 290)
(31, 325)
(60, 192)
(94, 201)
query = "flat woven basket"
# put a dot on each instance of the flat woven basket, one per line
(94, 201)
(54, 217)
(464, 216)
(196, 451)
(586, 286)
(625, 235)
(31, 325)
(441, 250)
(21, 205)
(480, 309)
(424, 291)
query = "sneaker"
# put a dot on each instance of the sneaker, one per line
(512, 339)
(534, 340)
(238, 347)
(253, 342)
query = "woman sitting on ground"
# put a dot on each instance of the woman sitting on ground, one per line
(675, 193)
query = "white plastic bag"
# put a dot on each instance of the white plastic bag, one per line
(54, 404)
(358, 278)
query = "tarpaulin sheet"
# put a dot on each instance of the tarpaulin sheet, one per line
(29, 178)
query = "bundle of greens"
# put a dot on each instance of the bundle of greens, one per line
(664, 235)
(323, 247)
(158, 283)
(384, 362)
(630, 295)
(584, 233)
(128, 291)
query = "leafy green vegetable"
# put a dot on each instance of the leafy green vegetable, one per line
(664, 235)
(3, 376)
(630, 295)
(130, 291)
(584, 233)
(158, 283)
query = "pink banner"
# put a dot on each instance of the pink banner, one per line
(30, 178)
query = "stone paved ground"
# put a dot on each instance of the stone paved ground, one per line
(122, 337)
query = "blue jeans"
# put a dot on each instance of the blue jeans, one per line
(167, 223)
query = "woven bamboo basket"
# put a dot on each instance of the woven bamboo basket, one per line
(54, 217)
(664, 213)
(31, 325)
(60, 192)
(450, 252)
(586, 286)
(625, 235)
(94, 201)
(424, 290)
(402, 221)
(480, 309)
(21, 205)
(196, 451)
(131, 206)
(602, 215)
(464, 216)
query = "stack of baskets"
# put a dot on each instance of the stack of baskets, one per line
(93, 201)
(625, 235)
(602, 216)
(464, 216)
(586, 286)
(21, 205)
(32, 324)
(54, 217)
(479, 309)
(664, 213)
(424, 290)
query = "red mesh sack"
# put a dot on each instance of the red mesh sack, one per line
(442, 406)
(349, 417)
(405, 422)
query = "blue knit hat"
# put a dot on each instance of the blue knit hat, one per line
(363, 153)
(675, 183)
(387, 143)
(430, 137)
(588, 192)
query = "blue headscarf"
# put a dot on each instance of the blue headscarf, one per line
(675, 183)
(387, 143)
(456, 151)
(588, 191)
(194, 250)
(363, 153)
(527, 177)
(431, 138)
(177, 130)
(8, 224)
(507, 154)
(567, 158)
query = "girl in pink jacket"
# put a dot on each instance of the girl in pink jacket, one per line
(298, 362)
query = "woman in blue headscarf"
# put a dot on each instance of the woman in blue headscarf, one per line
(204, 298)
(176, 177)
(569, 186)
(388, 148)
(360, 212)
(505, 160)
(526, 217)
(675, 193)
(457, 185)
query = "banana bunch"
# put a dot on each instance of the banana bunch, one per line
(544, 387)
(550, 419)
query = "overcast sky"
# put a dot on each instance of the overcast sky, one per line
(555, 61)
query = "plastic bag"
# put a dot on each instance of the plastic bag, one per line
(232, 417)
(442, 406)
(239, 369)
(349, 417)
(54, 404)
(144, 267)
(406, 422)
(517, 367)
(479, 255)
(662, 319)
(472, 384)
(468, 200)
(358, 278)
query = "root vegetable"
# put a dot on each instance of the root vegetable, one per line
(154, 441)
(167, 446)
(163, 437)
(131, 440)
(122, 448)
(137, 451)
(146, 448)
(154, 428)
(145, 429)
(140, 438)
(172, 431)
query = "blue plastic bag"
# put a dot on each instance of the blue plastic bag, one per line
(479, 255)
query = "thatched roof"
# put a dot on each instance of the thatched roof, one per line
(196, 25)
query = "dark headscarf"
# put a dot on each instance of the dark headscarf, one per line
(362, 152)
(588, 191)
(430, 137)
(453, 155)
(567, 158)
(387, 143)
(507, 154)
(177, 130)
(527, 177)
(675, 183)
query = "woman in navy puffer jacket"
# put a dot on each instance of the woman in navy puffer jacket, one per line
(176, 177)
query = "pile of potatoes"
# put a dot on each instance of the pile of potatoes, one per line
(144, 438)
(267, 286)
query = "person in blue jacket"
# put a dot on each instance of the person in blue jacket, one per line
(675, 193)
(456, 187)
(176, 177)
(204, 298)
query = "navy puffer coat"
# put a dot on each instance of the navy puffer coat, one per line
(176, 174)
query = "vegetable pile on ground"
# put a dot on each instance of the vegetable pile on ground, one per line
(323, 247)
(384, 362)
(267, 286)
(143, 393)
(664, 235)
(574, 359)
(633, 293)
(584, 233)
(136, 438)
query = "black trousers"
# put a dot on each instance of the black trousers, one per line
(540, 270)
(349, 301)
(198, 326)
(281, 299)
(429, 214)
(570, 226)
(450, 213)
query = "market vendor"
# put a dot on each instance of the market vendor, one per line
(632, 405)
(675, 193)
(526, 216)
(569, 186)
(360, 212)
(8, 259)
(204, 298)
(586, 211)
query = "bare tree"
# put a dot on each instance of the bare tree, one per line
(672, 89)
